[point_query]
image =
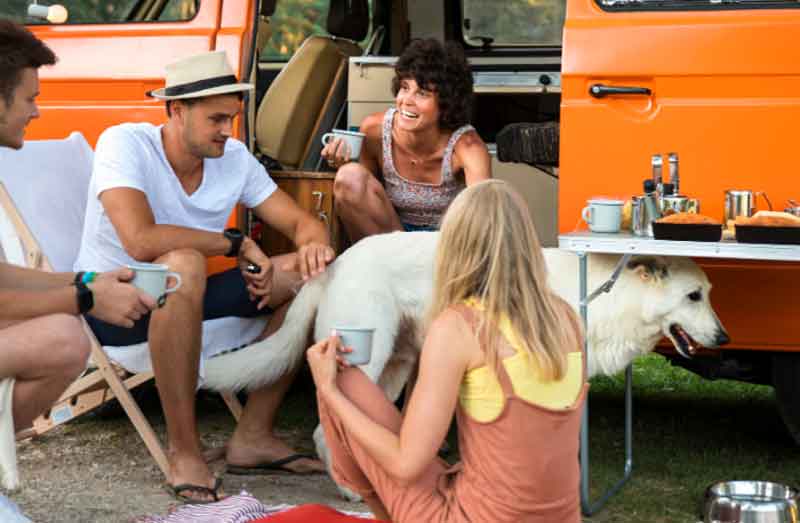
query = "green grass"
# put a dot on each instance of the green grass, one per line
(688, 433)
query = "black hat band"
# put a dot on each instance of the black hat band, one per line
(200, 85)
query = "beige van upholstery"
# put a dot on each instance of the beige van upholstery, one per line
(291, 114)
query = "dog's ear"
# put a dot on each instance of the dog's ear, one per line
(649, 267)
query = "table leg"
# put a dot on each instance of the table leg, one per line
(587, 507)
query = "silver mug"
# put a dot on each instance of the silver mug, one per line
(741, 203)
(641, 222)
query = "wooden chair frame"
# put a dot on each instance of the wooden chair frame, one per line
(106, 382)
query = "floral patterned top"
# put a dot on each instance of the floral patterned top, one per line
(417, 203)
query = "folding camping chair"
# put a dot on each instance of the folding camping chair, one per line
(43, 192)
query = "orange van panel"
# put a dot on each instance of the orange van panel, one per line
(725, 97)
(104, 71)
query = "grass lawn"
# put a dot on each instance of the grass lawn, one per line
(688, 433)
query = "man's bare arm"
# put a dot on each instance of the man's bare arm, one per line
(307, 232)
(23, 278)
(145, 240)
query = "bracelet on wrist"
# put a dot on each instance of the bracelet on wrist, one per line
(84, 277)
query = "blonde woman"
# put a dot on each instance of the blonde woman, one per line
(503, 352)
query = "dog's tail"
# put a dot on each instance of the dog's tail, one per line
(265, 362)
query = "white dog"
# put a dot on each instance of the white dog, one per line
(385, 282)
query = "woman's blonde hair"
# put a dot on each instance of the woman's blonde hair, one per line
(488, 250)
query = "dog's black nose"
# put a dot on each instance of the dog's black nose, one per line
(722, 338)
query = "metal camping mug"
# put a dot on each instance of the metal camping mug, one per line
(741, 203)
(641, 222)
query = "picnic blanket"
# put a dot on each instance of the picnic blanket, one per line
(244, 508)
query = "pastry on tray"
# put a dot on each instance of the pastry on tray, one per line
(770, 219)
(688, 218)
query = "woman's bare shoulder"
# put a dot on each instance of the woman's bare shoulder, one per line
(372, 124)
(470, 141)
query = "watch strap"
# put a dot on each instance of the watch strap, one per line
(84, 297)
(236, 237)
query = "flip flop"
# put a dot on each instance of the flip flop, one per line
(176, 492)
(274, 467)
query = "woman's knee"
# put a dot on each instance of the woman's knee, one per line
(191, 265)
(350, 183)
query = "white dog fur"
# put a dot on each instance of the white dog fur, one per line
(385, 282)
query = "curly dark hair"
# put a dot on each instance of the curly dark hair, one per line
(443, 69)
(19, 49)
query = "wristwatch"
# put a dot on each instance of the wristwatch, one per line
(236, 237)
(85, 297)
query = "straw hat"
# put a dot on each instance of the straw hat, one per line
(205, 74)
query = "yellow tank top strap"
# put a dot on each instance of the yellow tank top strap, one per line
(482, 397)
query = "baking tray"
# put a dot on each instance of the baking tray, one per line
(687, 232)
(767, 234)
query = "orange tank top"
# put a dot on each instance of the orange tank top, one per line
(521, 467)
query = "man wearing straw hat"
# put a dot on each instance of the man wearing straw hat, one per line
(163, 194)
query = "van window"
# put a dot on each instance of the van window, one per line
(293, 22)
(107, 11)
(513, 22)
(692, 5)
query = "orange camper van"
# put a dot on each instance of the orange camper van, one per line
(722, 79)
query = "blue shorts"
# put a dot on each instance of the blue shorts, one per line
(410, 227)
(226, 295)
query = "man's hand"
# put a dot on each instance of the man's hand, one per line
(312, 258)
(259, 284)
(118, 302)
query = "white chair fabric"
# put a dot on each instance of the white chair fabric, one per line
(48, 181)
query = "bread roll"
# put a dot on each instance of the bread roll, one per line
(689, 218)
(770, 219)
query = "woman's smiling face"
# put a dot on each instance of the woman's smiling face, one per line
(417, 108)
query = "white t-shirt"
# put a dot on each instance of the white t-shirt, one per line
(132, 155)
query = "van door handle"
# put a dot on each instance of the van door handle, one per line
(601, 91)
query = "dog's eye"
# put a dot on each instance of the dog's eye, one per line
(696, 296)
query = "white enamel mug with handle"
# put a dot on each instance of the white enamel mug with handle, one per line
(354, 139)
(603, 214)
(152, 279)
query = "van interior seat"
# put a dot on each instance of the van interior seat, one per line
(305, 99)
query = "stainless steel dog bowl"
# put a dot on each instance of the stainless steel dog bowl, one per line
(750, 502)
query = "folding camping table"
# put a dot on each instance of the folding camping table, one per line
(583, 243)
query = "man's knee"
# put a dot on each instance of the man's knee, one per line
(67, 347)
(350, 183)
(191, 265)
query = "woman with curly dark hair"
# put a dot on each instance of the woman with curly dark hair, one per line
(417, 156)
